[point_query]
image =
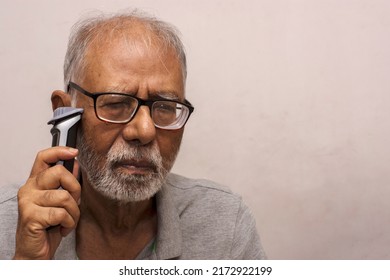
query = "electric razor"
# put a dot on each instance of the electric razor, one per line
(65, 123)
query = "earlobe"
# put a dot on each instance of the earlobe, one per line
(60, 99)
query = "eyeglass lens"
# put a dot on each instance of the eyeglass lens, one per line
(112, 107)
(121, 108)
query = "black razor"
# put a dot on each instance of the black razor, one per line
(65, 123)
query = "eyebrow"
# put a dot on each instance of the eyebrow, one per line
(165, 95)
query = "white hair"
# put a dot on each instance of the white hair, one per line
(101, 26)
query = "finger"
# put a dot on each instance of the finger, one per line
(37, 219)
(50, 156)
(55, 177)
(59, 198)
(58, 216)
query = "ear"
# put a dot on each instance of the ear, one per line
(60, 99)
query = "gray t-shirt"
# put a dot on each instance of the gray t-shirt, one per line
(197, 219)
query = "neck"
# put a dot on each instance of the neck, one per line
(114, 216)
(110, 229)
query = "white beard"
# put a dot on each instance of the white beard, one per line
(119, 186)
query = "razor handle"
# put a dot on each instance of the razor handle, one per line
(65, 123)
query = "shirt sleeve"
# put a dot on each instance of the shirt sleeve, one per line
(246, 242)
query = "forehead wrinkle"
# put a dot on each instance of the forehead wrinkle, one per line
(119, 89)
(166, 94)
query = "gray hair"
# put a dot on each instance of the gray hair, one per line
(87, 30)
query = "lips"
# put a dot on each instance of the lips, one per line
(135, 166)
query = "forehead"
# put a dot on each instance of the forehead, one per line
(122, 57)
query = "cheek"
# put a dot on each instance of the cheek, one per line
(99, 135)
(169, 142)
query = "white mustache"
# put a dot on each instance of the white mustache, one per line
(122, 152)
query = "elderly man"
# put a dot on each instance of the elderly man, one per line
(128, 73)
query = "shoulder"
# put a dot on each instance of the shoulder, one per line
(186, 190)
(8, 217)
(203, 197)
(215, 221)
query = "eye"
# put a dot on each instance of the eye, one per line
(165, 107)
(109, 99)
(165, 112)
(115, 107)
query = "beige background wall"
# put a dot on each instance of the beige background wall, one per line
(292, 109)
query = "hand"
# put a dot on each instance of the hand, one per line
(42, 204)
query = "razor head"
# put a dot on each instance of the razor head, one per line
(62, 113)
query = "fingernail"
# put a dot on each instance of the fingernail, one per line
(72, 150)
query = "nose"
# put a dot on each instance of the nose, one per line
(141, 128)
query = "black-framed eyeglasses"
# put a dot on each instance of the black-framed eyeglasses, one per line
(115, 107)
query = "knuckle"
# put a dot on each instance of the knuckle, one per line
(63, 196)
(49, 176)
(23, 196)
(20, 194)
(40, 154)
(48, 195)
(57, 170)
(56, 214)
(39, 177)
(51, 214)
(59, 197)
